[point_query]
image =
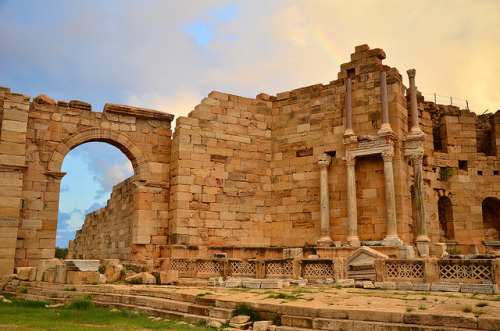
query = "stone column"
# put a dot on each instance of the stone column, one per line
(348, 109)
(422, 238)
(386, 126)
(352, 208)
(324, 161)
(390, 200)
(415, 128)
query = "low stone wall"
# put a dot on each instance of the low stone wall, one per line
(261, 268)
(434, 270)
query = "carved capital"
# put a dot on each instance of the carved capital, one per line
(324, 160)
(388, 155)
(350, 160)
(411, 73)
(417, 157)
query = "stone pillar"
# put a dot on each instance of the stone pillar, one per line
(422, 238)
(386, 126)
(324, 161)
(352, 209)
(348, 109)
(390, 200)
(415, 128)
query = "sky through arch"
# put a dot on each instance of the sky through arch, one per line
(92, 170)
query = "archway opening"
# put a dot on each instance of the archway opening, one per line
(491, 219)
(445, 214)
(92, 169)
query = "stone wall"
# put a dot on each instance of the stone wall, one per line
(220, 176)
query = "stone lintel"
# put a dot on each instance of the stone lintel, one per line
(12, 167)
(137, 112)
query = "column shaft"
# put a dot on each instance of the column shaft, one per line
(352, 208)
(386, 126)
(348, 109)
(390, 197)
(324, 161)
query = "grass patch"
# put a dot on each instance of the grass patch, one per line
(32, 315)
(467, 309)
(203, 294)
(245, 309)
(478, 312)
(409, 310)
(422, 307)
(23, 290)
(70, 289)
(81, 303)
(482, 304)
(284, 296)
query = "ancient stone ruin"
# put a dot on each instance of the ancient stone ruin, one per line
(361, 161)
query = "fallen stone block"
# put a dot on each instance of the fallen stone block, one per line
(214, 325)
(240, 322)
(82, 277)
(43, 265)
(113, 273)
(346, 282)
(26, 273)
(328, 281)
(445, 287)
(405, 286)
(141, 278)
(61, 273)
(251, 283)
(169, 277)
(368, 284)
(386, 285)
(421, 287)
(102, 279)
(478, 288)
(82, 265)
(49, 275)
(271, 283)
(262, 325)
(233, 282)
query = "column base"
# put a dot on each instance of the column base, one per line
(324, 241)
(349, 133)
(416, 133)
(385, 129)
(423, 245)
(392, 240)
(354, 241)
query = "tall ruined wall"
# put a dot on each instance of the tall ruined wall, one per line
(108, 231)
(310, 121)
(473, 175)
(220, 177)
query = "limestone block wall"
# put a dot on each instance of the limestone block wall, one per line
(34, 139)
(108, 231)
(220, 173)
(310, 121)
(474, 176)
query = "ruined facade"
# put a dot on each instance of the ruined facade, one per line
(361, 160)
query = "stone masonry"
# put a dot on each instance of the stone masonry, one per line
(360, 159)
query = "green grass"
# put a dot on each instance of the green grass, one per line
(79, 315)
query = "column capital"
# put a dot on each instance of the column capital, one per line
(350, 160)
(324, 160)
(417, 157)
(411, 73)
(388, 155)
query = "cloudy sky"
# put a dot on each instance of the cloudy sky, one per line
(168, 55)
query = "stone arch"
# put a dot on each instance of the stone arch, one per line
(117, 139)
(491, 219)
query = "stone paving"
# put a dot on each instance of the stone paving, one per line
(310, 307)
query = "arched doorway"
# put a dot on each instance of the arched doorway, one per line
(445, 215)
(491, 219)
(92, 170)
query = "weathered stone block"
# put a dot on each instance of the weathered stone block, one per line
(26, 273)
(446, 287)
(169, 277)
(82, 277)
(271, 283)
(233, 282)
(421, 287)
(345, 282)
(251, 283)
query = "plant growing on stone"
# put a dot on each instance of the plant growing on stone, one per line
(445, 173)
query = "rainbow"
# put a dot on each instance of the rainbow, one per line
(330, 46)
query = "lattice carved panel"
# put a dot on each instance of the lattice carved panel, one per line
(208, 267)
(405, 270)
(460, 271)
(279, 268)
(180, 265)
(242, 268)
(318, 270)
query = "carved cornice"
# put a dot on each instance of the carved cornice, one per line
(54, 174)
